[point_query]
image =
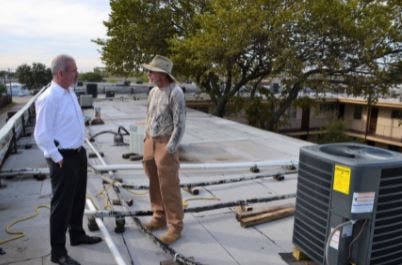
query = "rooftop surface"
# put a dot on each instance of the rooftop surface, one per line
(212, 149)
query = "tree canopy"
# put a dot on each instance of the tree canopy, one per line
(2, 89)
(91, 77)
(35, 76)
(228, 45)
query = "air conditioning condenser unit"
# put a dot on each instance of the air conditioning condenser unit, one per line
(349, 205)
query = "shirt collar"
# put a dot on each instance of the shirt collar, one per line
(167, 88)
(59, 89)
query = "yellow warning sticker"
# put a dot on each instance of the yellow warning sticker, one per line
(342, 179)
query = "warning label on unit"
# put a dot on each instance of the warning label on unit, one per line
(334, 243)
(363, 202)
(342, 179)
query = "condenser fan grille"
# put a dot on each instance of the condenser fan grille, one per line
(387, 238)
(312, 206)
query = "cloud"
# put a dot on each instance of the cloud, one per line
(52, 18)
(87, 57)
(37, 30)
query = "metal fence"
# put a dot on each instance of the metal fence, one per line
(16, 127)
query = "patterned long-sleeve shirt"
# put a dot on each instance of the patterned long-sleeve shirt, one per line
(166, 114)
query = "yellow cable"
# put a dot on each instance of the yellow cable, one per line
(136, 193)
(106, 205)
(18, 233)
(104, 190)
(185, 202)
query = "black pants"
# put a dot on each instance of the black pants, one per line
(69, 185)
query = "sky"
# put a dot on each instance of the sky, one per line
(38, 30)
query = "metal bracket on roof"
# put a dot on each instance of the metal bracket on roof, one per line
(191, 190)
(168, 262)
(254, 169)
(2, 186)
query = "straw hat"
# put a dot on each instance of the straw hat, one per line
(160, 64)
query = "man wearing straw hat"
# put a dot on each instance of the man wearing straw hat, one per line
(165, 125)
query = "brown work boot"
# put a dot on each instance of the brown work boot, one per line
(170, 236)
(155, 224)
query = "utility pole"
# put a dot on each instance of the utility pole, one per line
(9, 80)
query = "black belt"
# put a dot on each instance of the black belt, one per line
(70, 151)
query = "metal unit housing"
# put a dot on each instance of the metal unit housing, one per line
(86, 101)
(137, 135)
(348, 181)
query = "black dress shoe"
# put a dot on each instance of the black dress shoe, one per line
(85, 240)
(65, 260)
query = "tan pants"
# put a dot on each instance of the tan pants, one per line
(162, 169)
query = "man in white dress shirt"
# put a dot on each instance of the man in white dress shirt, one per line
(60, 134)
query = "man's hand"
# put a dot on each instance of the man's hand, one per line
(60, 163)
(170, 149)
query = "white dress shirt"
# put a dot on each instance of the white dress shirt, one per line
(58, 117)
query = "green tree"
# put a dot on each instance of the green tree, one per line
(33, 77)
(41, 75)
(136, 30)
(91, 77)
(226, 45)
(24, 74)
(101, 71)
(2, 89)
(334, 132)
(6, 76)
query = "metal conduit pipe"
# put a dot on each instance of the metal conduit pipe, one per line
(97, 154)
(120, 222)
(270, 163)
(24, 171)
(109, 180)
(290, 163)
(108, 239)
(214, 182)
(198, 209)
(102, 132)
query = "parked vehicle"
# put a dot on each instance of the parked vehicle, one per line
(17, 89)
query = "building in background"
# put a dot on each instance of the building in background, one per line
(16, 89)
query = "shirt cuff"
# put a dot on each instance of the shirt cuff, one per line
(56, 156)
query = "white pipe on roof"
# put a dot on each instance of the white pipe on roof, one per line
(24, 171)
(115, 252)
(95, 151)
(105, 167)
(268, 163)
